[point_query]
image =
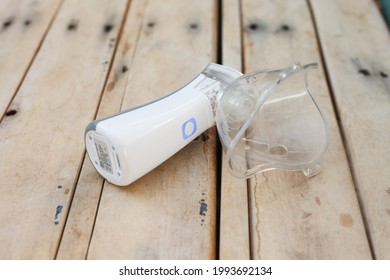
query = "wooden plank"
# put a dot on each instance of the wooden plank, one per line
(356, 41)
(79, 225)
(234, 224)
(294, 217)
(42, 144)
(170, 212)
(23, 25)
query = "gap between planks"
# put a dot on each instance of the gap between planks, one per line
(282, 200)
(85, 157)
(108, 188)
(340, 126)
(28, 66)
(355, 44)
(105, 107)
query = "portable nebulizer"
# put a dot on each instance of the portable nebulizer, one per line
(265, 120)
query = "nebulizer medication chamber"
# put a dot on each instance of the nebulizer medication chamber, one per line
(265, 120)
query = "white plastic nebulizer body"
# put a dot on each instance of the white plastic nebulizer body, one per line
(265, 120)
(125, 146)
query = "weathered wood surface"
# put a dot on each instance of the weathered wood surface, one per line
(356, 46)
(42, 143)
(294, 217)
(23, 27)
(81, 219)
(64, 63)
(159, 216)
(234, 224)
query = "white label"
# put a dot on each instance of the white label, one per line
(104, 156)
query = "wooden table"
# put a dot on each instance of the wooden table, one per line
(65, 63)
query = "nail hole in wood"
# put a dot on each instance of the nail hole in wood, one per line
(285, 27)
(108, 27)
(124, 69)
(257, 26)
(365, 72)
(194, 26)
(27, 22)
(8, 23)
(72, 26)
(11, 113)
(253, 26)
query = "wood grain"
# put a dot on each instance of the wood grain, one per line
(81, 220)
(23, 25)
(42, 143)
(234, 224)
(67, 62)
(294, 217)
(356, 44)
(170, 212)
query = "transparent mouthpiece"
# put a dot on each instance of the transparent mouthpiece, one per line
(268, 120)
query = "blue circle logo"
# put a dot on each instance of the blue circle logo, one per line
(188, 128)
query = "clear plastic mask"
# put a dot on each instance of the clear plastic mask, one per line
(268, 120)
